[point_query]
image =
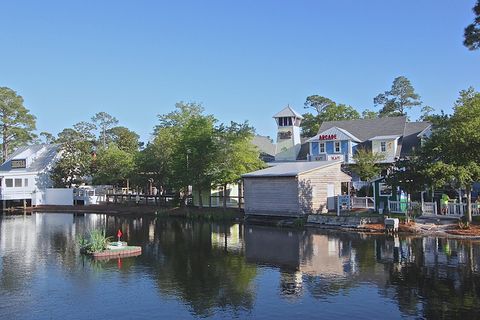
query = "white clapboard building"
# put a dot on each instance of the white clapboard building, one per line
(25, 176)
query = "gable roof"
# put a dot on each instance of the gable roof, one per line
(365, 129)
(288, 112)
(290, 169)
(42, 161)
(264, 144)
(337, 131)
(411, 138)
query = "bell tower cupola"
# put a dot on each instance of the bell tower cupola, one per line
(288, 134)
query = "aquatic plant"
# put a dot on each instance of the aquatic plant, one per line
(94, 241)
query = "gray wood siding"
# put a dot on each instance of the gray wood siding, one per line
(271, 195)
(312, 187)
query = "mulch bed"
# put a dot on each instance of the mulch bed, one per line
(473, 230)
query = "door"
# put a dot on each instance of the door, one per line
(331, 196)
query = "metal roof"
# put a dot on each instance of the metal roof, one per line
(288, 112)
(41, 162)
(290, 169)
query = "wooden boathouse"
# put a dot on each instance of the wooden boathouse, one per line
(293, 188)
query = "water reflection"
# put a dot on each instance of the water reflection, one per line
(223, 270)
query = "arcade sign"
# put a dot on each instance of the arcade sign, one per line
(327, 137)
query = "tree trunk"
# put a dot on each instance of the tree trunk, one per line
(224, 196)
(468, 214)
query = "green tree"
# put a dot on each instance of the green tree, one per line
(124, 138)
(472, 31)
(318, 103)
(331, 112)
(310, 125)
(337, 112)
(16, 122)
(409, 174)
(366, 164)
(236, 155)
(75, 165)
(114, 165)
(427, 113)
(193, 146)
(155, 161)
(86, 130)
(398, 99)
(369, 114)
(47, 137)
(453, 147)
(104, 121)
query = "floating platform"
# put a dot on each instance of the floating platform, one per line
(119, 252)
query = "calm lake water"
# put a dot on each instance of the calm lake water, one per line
(194, 269)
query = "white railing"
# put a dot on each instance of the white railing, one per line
(401, 206)
(363, 202)
(16, 193)
(459, 209)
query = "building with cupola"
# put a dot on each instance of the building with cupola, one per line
(308, 172)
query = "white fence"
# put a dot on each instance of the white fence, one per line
(459, 209)
(430, 208)
(401, 206)
(363, 202)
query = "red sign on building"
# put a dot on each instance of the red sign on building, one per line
(327, 137)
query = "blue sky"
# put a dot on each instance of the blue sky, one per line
(243, 60)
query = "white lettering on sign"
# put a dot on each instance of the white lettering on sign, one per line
(19, 163)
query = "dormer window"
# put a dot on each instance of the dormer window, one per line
(383, 146)
(337, 147)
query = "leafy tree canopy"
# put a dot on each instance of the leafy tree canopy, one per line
(104, 121)
(398, 99)
(114, 165)
(16, 122)
(327, 110)
(124, 138)
(367, 164)
(472, 31)
(453, 146)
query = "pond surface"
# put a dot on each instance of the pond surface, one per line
(194, 269)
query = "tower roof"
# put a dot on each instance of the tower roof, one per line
(288, 112)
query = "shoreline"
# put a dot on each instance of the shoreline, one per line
(234, 215)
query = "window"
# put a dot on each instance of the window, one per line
(9, 183)
(25, 182)
(18, 183)
(285, 121)
(322, 147)
(337, 147)
(383, 146)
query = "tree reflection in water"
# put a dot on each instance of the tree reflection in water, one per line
(228, 269)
